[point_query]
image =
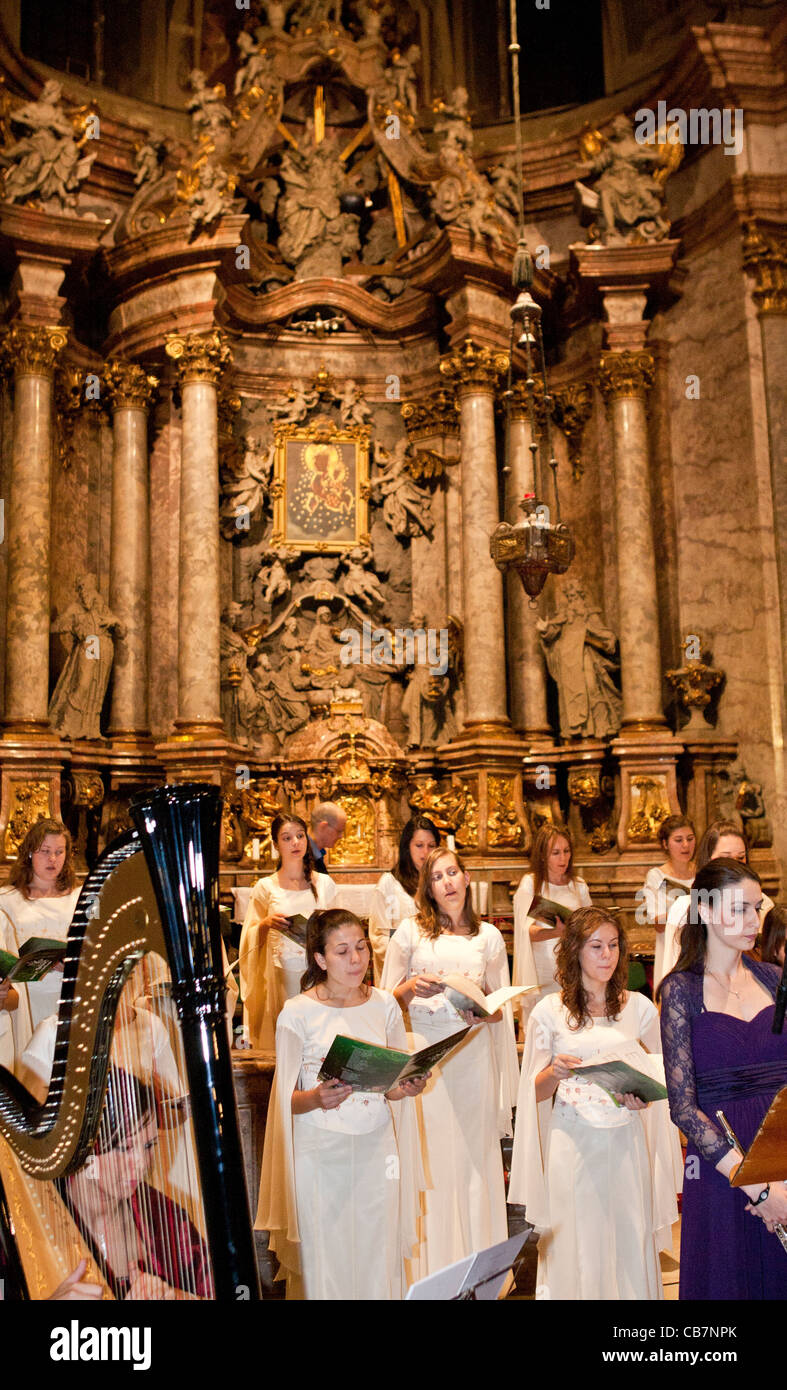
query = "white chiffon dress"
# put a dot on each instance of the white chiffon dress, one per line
(270, 965)
(466, 1106)
(21, 918)
(391, 904)
(597, 1180)
(339, 1188)
(658, 900)
(534, 961)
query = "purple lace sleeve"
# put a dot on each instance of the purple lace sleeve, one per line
(678, 1005)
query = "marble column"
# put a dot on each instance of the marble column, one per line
(31, 353)
(432, 424)
(200, 360)
(130, 391)
(474, 373)
(526, 665)
(624, 379)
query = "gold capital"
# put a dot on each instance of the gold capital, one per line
(518, 403)
(29, 350)
(437, 413)
(765, 257)
(199, 356)
(473, 368)
(128, 385)
(625, 374)
(572, 408)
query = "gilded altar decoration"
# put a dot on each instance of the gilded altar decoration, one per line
(503, 828)
(572, 408)
(625, 374)
(258, 805)
(651, 809)
(357, 845)
(594, 794)
(128, 386)
(321, 486)
(474, 367)
(696, 681)
(435, 414)
(198, 356)
(454, 809)
(29, 803)
(765, 257)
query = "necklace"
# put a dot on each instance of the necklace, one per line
(728, 987)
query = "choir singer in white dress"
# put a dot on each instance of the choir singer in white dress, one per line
(597, 1178)
(39, 900)
(394, 896)
(270, 963)
(466, 1107)
(340, 1179)
(536, 942)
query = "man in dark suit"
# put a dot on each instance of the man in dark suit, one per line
(328, 823)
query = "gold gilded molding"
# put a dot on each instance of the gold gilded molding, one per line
(652, 808)
(437, 413)
(625, 374)
(473, 368)
(128, 386)
(518, 404)
(32, 351)
(571, 410)
(199, 356)
(503, 828)
(765, 257)
(29, 803)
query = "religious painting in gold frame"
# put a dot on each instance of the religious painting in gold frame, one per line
(321, 486)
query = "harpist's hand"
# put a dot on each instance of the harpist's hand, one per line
(148, 1288)
(75, 1288)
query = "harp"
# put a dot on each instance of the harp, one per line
(132, 1158)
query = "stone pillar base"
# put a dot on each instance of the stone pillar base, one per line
(704, 758)
(485, 760)
(648, 786)
(30, 780)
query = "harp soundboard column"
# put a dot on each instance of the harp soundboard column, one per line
(474, 373)
(200, 360)
(130, 391)
(31, 353)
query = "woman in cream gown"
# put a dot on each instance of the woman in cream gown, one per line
(339, 1178)
(39, 900)
(663, 883)
(270, 964)
(535, 942)
(466, 1107)
(394, 895)
(596, 1178)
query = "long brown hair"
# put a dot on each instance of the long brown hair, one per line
(711, 838)
(581, 925)
(539, 853)
(318, 928)
(284, 818)
(716, 875)
(405, 871)
(21, 875)
(431, 921)
(774, 931)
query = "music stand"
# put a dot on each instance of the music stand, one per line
(766, 1157)
(478, 1277)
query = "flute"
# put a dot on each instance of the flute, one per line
(732, 1140)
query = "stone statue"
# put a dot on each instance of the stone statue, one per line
(240, 703)
(211, 119)
(462, 196)
(626, 205)
(273, 581)
(150, 157)
(256, 64)
(276, 14)
(580, 654)
(407, 509)
(243, 498)
(48, 162)
(424, 700)
(282, 708)
(207, 190)
(300, 401)
(310, 13)
(379, 247)
(86, 627)
(452, 125)
(372, 13)
(353, 409)
(360, 583)
(315, 234)
(401, 78)
(505, 182)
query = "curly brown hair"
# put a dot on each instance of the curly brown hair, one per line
(21, 875)
(431, 921)
(579, 927)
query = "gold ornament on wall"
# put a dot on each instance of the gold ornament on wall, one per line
(29, 803)
(357, 845)
(503, 828)
(652, 808)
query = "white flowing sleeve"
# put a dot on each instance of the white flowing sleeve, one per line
(583, 893)
(277, 1209)
(525, 972)
(398, 955)
(252, 965)
(649, 894)
(327, 891)
(528, 1185)
(675, 920)
(661, 1136)
(380, 923)
(408, 1140)
(497, 977)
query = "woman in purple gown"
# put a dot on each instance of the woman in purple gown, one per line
(720, 1053)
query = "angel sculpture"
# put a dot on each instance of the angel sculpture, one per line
(49, 161)
(407, 509)
(626, 206)
(273, 581)
(300, 400)
(353, 409)
(360, 583)
(243, 498)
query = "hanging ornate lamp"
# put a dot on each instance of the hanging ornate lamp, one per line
(536, 546)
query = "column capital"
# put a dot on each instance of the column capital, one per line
(128, 386)
(474, 368)
(625, 374)
(518, 404)
(199, 356)
(765, 258)
(28, 350)
(437, 413)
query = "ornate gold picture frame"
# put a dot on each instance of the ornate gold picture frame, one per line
(321, 486)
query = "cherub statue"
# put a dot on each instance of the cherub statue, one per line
(256, 64)
(300, 401)
(452, 126)
(627, 204)
(273, 581)
(150, 157)
(353, 409)
(48, 162)
(407, 509)
(210, 117)
(360, 583)
(207, 192)
(401, 76)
